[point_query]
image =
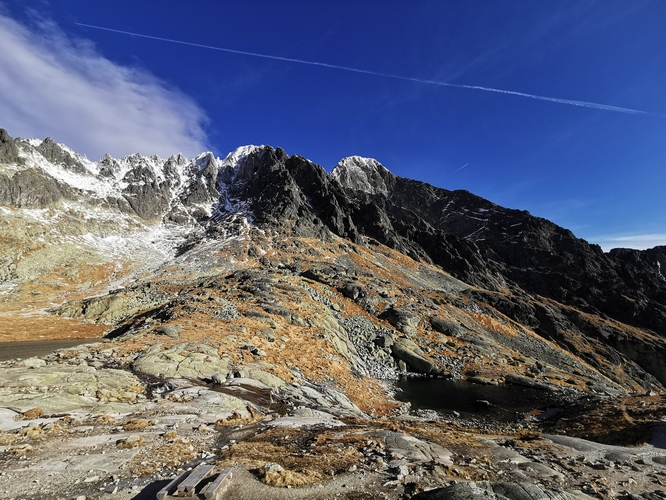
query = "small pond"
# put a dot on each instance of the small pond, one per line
(27, 349)
(502, 402)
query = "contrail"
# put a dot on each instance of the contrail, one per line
(570, 102)
(459, 169)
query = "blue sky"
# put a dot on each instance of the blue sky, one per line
(597, 171)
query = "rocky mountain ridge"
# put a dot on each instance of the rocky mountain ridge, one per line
(514, 257)
(256, 311)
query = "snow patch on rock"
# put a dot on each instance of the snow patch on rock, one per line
(367, 175)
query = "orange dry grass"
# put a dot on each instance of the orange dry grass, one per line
(507, 329)
(23, 313)
(306, 349)
(169, 455)
(624, 421)
(307, 456)
(44, 327)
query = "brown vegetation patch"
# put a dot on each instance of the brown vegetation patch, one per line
(505, 328)
(105, 420)
(21, 449)
(130, 442)
(167, 456)
(237, 418)
(306, 456)
(33, 413)
(17, 326)
(7, 438)
(624, 421)
(137, 424)
(34, 432)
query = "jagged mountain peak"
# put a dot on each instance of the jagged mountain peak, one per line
(367, 175)
(476, 240)
(235, 157)
(361, 162)
(223, 262)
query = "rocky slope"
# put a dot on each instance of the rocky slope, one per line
(264, 289)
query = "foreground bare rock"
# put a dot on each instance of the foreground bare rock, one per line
(130, 434)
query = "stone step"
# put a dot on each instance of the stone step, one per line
(200, 483)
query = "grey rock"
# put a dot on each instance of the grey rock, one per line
(172, 331)
(515, 379)
(8, 149)
(408, 352)
(352, 291)
(404, 321)
(484, 490)
(416, 450)
(272, 467)
(306, 418)
(209, 404)
(182, 360)
(268, 334)
(446, 327)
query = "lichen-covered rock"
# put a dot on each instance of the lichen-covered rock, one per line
(112, 308)
(183, 360)
(416, 450)
(267, 378)
(172, 331)
(62, 388)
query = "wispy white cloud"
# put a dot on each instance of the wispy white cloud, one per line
(636, 241)
(54, 85)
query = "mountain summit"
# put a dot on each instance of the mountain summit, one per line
(526, 268)
(276, 305)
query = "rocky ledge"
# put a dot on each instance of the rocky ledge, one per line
(101, 421)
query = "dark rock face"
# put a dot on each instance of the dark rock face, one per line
(483, 244)
(146, 195)
(8, 149)
(476, 240)
(31, 189)
(52, 151)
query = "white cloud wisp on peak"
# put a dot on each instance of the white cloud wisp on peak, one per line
(57, 86)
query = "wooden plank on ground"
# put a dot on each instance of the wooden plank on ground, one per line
(171, 487)
(219, 484)
(195, 477)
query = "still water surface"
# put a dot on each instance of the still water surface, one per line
(23, 350)
(503, 401)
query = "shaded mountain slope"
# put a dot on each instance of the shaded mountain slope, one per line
(154, 225)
